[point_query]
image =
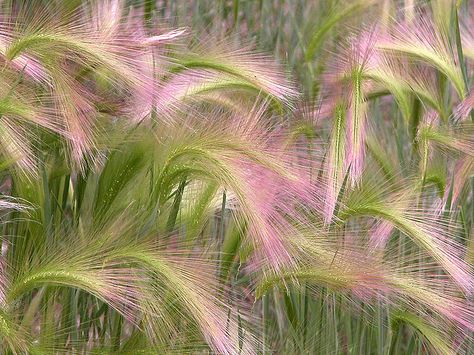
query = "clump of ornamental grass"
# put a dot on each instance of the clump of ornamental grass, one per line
(162, 195)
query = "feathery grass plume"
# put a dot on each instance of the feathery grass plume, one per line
(422, 82)
(256, 70)
(423, 142)
(359, 57)
(335, 163)
(348, 269)
(347, 143)
(83, 269)
(441, 13)
(438, 295)
(23, 63)
(420, 40)
(436, 339)
(210, 74)
(185, 279)
(457, 138)
(75, 50)
(339, 271)
(12, 336)
(402, 78)
(200, 87)
(195, 291)
(156, 287)
(422, 226)
(15, 148)
(241, 155)
(388, 72)
(379, 233)
(23, 117)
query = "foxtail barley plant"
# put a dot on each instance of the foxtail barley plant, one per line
(236, 177)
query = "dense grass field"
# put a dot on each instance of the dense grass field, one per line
(236, 177)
